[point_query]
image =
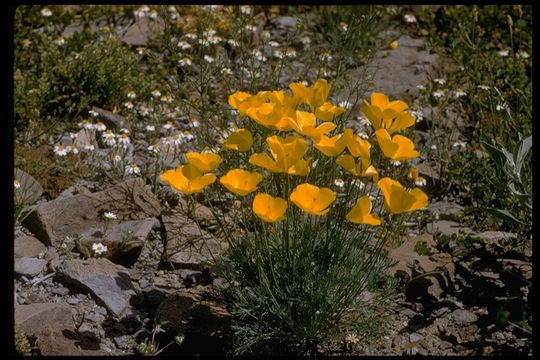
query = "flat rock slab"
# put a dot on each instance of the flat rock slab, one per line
(447, 228)
(110, 119)
(187, 245)
(397, 72)
(30, 190)
(67, 216)
(28, 246)
(138, 33)
(52, 325)
(445, 210)
(124, 241)
(108, 283)
(29, 266)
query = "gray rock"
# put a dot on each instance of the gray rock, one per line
(30, 190)
(108, 283)
(28, 266)
(397, 72)
(187, 245)
(284, 21)
(494, 236)
(138, 33)
(464, 317)
(53, 327)
(445, 210)
(124, 240)
(54, 220)
(28, 246)
(447, 228)
(110, 119)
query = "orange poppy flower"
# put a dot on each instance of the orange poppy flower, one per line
(396, 148)
(241, 182)
(269, 208)
(286, 156)
(360, 213)
(397, 200)
(205, 162)
(187, 179)
(240, 140)
(312, 199)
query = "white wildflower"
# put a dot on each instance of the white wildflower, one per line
(99, 248)
(183, 45)
(233, 43)
(89, 147)
(60, 41)
(46, 12)
(438, 93)
(345, 104)
(124, 140)
(395, 162)
(351, 339)
(93, 113)
(60, 150)
(226, 71)
(245, 9)
(185, 61)
(156, 93)
(501, 107)
(133, 169)
(459, 93)
(128, 105)
(17, 184)
(99, 126)
(503, 53)
(153, 149)
(110, 215)
(409, 18)
(459, 143)
(440, 81)
(484, 87)
(339, 183)
(131, 95)
(150, 128)
(306, 40)
(273, 43)
(208, 59)
(167, 99)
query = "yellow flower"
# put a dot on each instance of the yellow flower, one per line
(330, 146)
(269, 208)
(205, 162)
(242, 101)
(314, 96)
(327, 111)
(360, 167)
(187, 179)
(360, 213)
(396, 148)
(241, 182)
(385, 114)
(240, 140)
(357, 146)
(305, 122)
(286, 156)
(397, 200)
(312, 199)
(271, 113)
(394, 45)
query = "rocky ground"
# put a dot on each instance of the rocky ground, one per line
(158, 267)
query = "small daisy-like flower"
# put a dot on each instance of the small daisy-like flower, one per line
(89, 147)
(153, 14)
(345, 104)
(72, 136)
(411, 347)
(168, 140)
(25, 43)
(183, 45)
(503, 53)
(74, 150)
(395, 162)
(208, 59)
(117, 158)
(195, 123)
(167, 99)
(100, 126)
(273, 43)
(188, 136)
(420, 182)
(124, 131)
(501, 107)
(363, 135)
(344, 26)
(459, 143)
(409, 18)
(484, 87)
(131, 95)
(291, 53)
(144, 111)
(233, 43)
(93, 113)
(250, 27)
(60, 150)
(418, 115)
(86, 124)
(306, 40)
(109, 138)
(265, 35)
(226, 71)
(438, 93)
(440, 81)
(124, 140)
(59, 41)
(99, 248)
(351, 339)
(140, 50)
(133, 169)
(184, 61)
(339, 183)
(433, 147)
(326, 56)
(209, 33)
(521, 54)
(153, 149)
(191, 36)
(245, 9)
(459, 93)
(420, 87)
(178, 139)
(204, 41)
(17, 184)
(278, 54)
(110, 215)
(168, 125)
(156, 93)
(128, 105)
(259, 55)
(46, 12)
(150, 128)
